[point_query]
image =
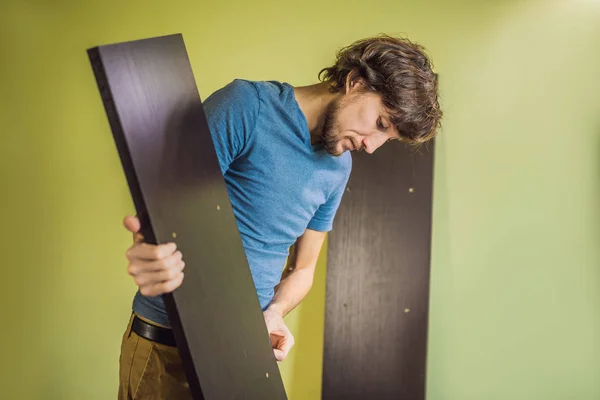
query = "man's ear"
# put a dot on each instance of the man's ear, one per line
(353, 81)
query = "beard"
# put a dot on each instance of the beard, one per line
(328, 138)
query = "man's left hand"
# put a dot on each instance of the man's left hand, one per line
(281, 337)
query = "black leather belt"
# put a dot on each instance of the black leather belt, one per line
(152, 332)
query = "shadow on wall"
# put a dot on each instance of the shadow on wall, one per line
(441, 297)
(596, 190)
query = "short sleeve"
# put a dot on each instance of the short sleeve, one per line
(322, 221)
(231, 113)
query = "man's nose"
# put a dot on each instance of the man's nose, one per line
(372, 143)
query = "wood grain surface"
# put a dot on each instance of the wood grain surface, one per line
(378, 266)
(159, 126)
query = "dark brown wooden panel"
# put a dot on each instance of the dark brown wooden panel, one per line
(160, 129)
(378, 278)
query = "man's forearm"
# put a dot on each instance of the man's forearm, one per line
(292, 290)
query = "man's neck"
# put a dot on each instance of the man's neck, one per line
(313, 101)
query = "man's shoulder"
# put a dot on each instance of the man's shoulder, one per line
(237, 101)
(266, 90)
(246, 93)
(236, 90)
(242, 85)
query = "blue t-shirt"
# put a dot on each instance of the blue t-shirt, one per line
(278, 183)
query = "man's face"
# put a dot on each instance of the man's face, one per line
(357, 121)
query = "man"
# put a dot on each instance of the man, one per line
(285, 155)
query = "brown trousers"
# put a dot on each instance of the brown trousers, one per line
(149, 370)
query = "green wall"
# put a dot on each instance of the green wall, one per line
(515, 302)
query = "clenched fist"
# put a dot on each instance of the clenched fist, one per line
(282, 339)
(156, 269)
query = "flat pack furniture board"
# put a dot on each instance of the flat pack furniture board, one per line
(170, 163)
(377, 289)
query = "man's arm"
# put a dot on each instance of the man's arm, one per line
(299, 274)
(292, 289)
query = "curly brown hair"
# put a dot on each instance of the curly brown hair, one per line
(401, 72)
